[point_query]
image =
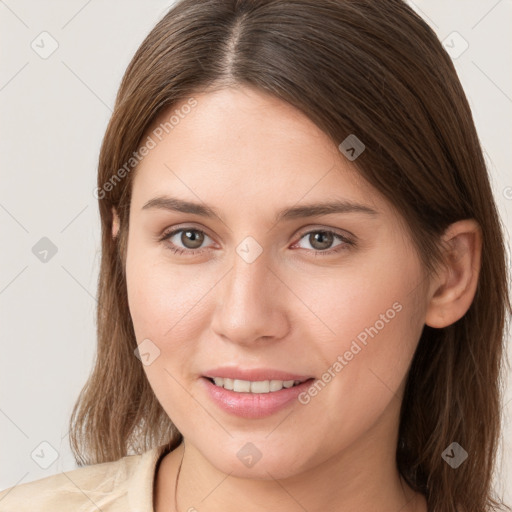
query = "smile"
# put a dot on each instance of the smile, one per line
(252, 399)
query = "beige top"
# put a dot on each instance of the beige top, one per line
(125, 485)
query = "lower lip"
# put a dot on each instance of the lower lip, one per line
(254, 405)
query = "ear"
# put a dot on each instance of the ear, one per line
(115, 223)
(453, 288)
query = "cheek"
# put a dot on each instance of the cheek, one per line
(373, 300)
(366, 366)
(164, 300)
(165, 307)
(364, 327)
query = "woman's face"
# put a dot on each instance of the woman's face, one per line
(253, 295)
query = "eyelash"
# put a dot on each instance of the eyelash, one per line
(347, 243)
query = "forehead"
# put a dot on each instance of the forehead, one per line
(239, 144)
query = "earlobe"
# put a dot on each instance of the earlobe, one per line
(454, 288)
(115, 223)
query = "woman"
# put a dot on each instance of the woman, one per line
(303, 285)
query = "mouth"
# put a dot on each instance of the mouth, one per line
(254, 394)
(255, 386)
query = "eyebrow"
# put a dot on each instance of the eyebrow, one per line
(294, 212)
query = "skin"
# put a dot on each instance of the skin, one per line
(248, 155)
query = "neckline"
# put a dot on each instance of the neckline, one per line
(160, 456)
(142, 482)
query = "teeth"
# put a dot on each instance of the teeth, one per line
(261, 386)
(242, 386)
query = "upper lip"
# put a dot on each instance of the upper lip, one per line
(254, 374)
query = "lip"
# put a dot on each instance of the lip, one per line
(254, 405)
(254, 374)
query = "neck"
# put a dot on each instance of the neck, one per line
(352, 481)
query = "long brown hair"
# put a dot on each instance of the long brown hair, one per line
(372, 68)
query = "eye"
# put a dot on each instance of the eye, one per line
(322, 239)
(190, 238)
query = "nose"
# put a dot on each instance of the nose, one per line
(251, 303)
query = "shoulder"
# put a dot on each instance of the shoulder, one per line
(126, 484)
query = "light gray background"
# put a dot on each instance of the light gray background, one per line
(54, 112)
